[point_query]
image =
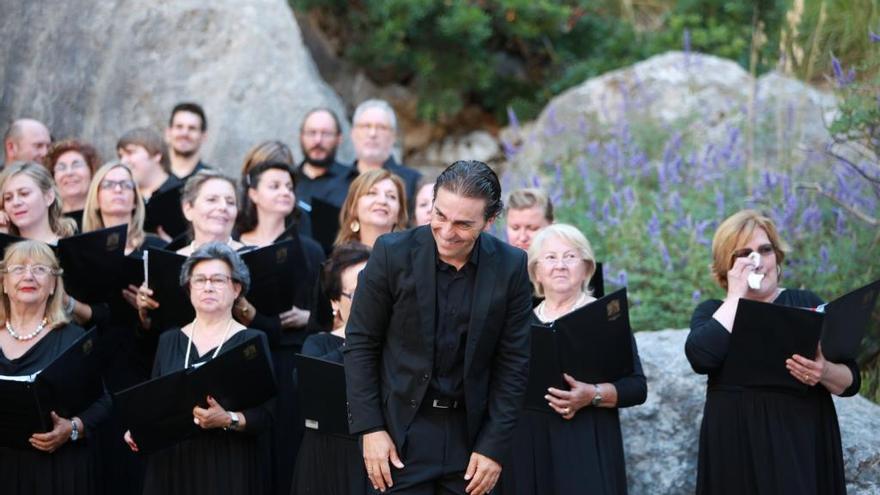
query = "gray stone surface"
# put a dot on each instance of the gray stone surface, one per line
(661, 436)
(701, 95)
(95, 69)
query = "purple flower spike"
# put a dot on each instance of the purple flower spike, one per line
(511, 117)
(874, 37)
(622, 278)
(686, 41)
(696, 295)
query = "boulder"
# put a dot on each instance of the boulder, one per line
(661, 437)
(700, 95)
(95, 69)
(477, 145)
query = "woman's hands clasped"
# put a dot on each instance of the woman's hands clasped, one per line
(52, 440)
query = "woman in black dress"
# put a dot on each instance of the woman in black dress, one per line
(267, 206)
(326, 464)
(226, 456)
(61, 461)
(114, 199)
(758, 439)
(579, 448)
(72, 163)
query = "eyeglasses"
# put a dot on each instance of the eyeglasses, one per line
(568, 259)
(125, 185)
(74, 165)
(763, 250)
(39, 271)
(217, 281)
(312, 134)
(345, 294)
(369, 127)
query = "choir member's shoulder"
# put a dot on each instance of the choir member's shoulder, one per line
(69, 332)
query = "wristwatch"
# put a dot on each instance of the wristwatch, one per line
(233, 425)
(74, 431)
(597, 399)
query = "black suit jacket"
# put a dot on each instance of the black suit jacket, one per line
(389, 349)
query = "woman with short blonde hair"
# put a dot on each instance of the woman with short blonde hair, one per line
(375, 205)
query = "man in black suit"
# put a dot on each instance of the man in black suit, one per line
(437, 345)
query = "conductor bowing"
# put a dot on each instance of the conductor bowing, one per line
(436, 358)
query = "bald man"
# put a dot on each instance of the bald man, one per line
(26, 140)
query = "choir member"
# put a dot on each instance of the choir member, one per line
(579, 448)
(528, 211)
(30, 207)
(375, 205)
(72, 163)
(225, 457)
(38, 330)
(763, 439)
(424, 201)
(328, 464)
(267, 202)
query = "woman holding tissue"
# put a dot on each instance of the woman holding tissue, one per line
(763, 439)
(226, 457)
(576, 447)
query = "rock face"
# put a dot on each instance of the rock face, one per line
(701, 95)
(95, 69)
(661, 436)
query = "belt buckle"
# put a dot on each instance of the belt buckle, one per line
(443, 404)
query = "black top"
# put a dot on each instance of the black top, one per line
(77, 216)
(331, 187)
(199, 166)
(324, 345)
(455, 290)
(42, 354)
(163, 209)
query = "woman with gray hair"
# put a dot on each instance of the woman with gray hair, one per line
(226, 457)
(577, 447)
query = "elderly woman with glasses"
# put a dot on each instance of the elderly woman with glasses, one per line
(763, 439)
(577, 447)
(226, 457)
(37, 330)
(72, 164)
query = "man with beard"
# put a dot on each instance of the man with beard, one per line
(26, 140)
(185, 134)
(320, 175)
(374, 130)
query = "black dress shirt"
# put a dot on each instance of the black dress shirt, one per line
(332, 187)
(455, 294)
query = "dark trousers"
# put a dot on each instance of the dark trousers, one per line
(435, 454)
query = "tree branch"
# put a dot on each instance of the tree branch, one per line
(851, 209)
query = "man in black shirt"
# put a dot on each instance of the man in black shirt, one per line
(186, 132)
(320, 175)
(437, 345)
(374, 130)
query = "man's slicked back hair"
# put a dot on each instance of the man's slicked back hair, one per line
(473, 179)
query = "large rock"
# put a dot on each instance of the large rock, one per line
(661, 436)
(95, 69)
(700, 95)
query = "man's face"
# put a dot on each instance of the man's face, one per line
(373, 136)
(319, 139)
(456, 223)
(32, 145)
(185, 135)
(139, 161)
(523, 224)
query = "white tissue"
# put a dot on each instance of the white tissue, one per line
(753, 278)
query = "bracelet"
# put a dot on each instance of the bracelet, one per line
(71, 304)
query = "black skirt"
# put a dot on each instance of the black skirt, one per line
(70, 470)
(215, 462)
(329, 465)
(551, 455)
(770, 442)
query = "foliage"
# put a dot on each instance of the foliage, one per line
(650, 212)
(520, 53)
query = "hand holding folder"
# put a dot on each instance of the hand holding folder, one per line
(159, 412)
(67, 386)
(593, 344)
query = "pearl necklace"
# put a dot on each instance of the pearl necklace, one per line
(29, 336)
(539, 311)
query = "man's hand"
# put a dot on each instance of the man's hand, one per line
(378, 449)
(483, 474)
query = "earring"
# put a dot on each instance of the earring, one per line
(335, 313)
(354, 225)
